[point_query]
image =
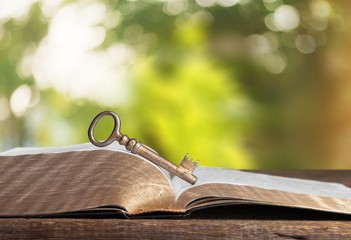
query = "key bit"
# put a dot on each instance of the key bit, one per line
(184, 170)
(189, 165)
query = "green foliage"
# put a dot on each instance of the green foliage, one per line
(220, 82)
(195, 107)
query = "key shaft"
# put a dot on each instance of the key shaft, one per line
(137, 147)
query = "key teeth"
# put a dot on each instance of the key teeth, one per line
(189, 163)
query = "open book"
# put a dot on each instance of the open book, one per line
(46, 181)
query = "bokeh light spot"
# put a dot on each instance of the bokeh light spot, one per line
(286, 18)
(112, 19)
(258, 44)
(133, 32)
(20, 100)
(274, 62)
(270, 23)
(201, 18)
(305, 43)
(175, 7)
(320, 8)
(206, 3)
(228, 3)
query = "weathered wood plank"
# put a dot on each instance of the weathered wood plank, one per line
(171, 229)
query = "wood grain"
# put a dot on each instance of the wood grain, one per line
(171, 229)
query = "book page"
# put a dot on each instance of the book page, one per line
(49, 183)
(235, 184)
(79, 147)
(208, 175)
(114, 146)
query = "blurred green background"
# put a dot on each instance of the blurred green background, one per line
(235, 83)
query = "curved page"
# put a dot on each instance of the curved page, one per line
(218, 185)
(38, 184)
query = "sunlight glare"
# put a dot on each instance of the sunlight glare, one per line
(50, 7)
(14, 9)
(67, 58)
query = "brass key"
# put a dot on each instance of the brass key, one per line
(184, 170)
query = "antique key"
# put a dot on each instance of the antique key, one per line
(184, 170)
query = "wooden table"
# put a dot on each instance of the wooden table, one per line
(238, 222)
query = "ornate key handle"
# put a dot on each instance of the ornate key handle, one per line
(115, 134)
(131, 144)
(183, 171)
